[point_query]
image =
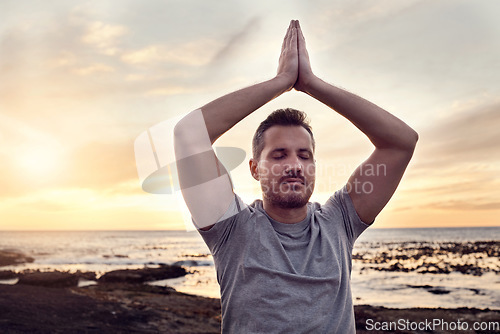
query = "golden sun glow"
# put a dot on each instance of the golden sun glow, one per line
(39, 161)
(79, 83)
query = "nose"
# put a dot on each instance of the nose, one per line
(294, 167)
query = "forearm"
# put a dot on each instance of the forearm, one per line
(223, 113)
(382, 128)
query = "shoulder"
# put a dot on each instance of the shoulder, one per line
(236, 226)
(339, 213)
(340, 200)
(238, 213)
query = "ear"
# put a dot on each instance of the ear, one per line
(254, 168)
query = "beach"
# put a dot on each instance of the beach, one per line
(139, 308)
(164, 282)
(120, 302)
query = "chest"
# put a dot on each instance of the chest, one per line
(314, 252)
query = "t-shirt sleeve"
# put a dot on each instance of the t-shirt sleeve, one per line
(341, 202)
(216, 237)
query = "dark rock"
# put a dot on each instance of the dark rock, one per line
(8, 274)
(468, 269)
(431, 289)
(118, 256)
(87, 275)
(42, 310)
(476, 291)
(142, 275)
(49, 279)
(196, 255)
(426, 286)
(439, 291)
(10, 257)
(358, 256)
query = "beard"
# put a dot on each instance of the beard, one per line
(287, 196)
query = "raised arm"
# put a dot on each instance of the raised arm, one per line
(374, 182)
(205, 185)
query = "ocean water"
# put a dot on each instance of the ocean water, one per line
(439, 267)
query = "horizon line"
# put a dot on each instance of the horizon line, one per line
(193, 230)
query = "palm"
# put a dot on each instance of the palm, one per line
(305, 72)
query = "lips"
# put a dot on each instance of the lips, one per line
(293, 180)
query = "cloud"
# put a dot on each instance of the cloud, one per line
(469, 138)
(457, 162)
(96, 75)
(208, 54)
(93, 69)
(40, 67)
(63, 58)
(236, 41)
(192, 53)
(473, 204)
(167, 90)
(359, 11)
(104, 37)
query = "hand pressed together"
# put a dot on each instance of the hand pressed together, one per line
(288, 66)
(294, 65)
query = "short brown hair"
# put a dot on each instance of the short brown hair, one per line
(285, 117)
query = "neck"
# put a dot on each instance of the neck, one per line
(285, 215)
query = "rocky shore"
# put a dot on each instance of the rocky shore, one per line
(117, 302)
(469, 258)
(52, 302)
(120, 302)
(139, 308)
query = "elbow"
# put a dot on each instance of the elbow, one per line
(411, 140)
(402, 141)
(414, 138)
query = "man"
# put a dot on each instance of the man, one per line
(284, 263)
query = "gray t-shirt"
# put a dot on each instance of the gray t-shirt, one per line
(287, 278)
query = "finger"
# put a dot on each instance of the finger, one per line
(290, 28)
(287, 35)
(289, 42)
(300, 35)
(293, 39)
(285, 41)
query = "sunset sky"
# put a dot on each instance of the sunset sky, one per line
(81, 80)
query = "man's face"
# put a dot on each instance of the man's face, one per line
(286, 168)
